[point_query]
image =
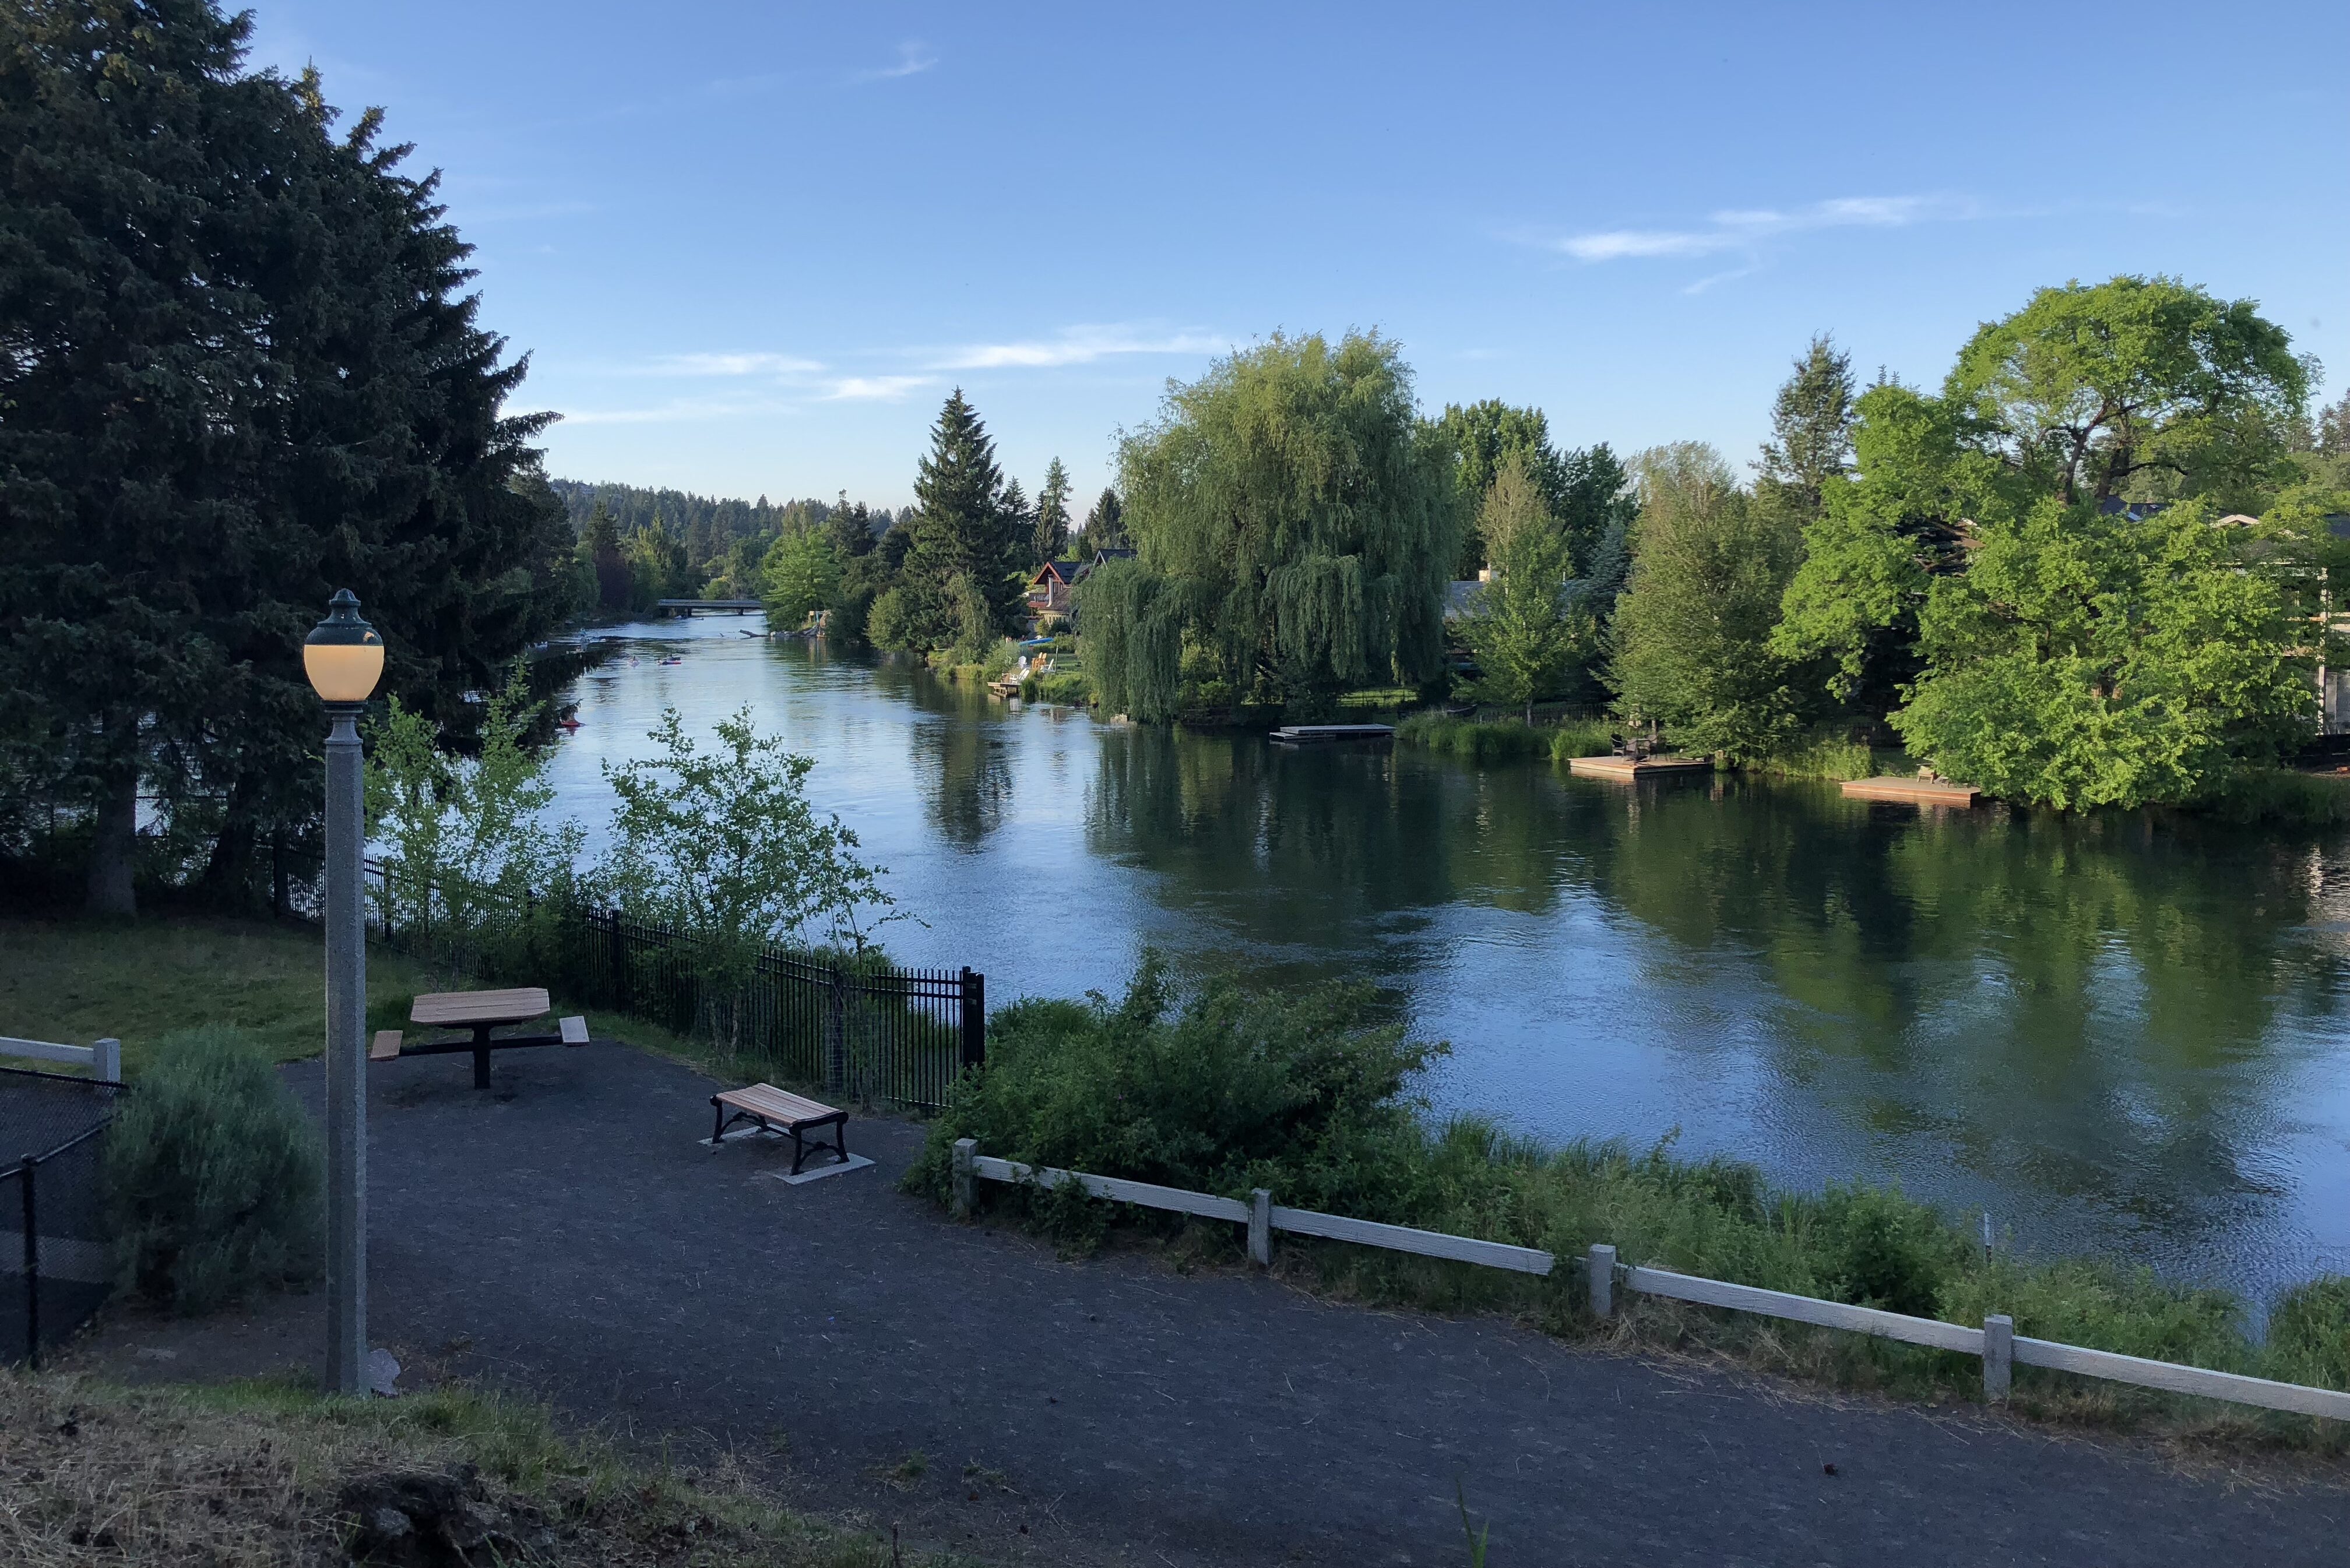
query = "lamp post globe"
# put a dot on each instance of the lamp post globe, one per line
(343, 657)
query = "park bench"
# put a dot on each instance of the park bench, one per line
(773, 1111)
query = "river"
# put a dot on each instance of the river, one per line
(2114, 1038)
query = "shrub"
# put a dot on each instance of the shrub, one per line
(1827, 756)
(1481, 743)
(213, 1175)
(2309, 1334)
(1222, 1091)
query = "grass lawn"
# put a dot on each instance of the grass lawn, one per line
(74, 982)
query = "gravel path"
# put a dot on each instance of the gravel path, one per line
(567, 1234)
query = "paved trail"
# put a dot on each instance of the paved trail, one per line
(566, 1233)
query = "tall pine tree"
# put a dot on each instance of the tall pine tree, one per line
(964, 548)
(240, 372)
(1050, 534)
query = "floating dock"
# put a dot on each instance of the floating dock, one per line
(1912, 791)
(1627, 769)
(1318, 734)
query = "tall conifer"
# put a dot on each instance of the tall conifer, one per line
(961, 536)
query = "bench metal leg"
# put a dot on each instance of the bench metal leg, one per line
(480, 1058)
(718, 1121)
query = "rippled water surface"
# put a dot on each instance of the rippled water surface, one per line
(2113, 1037)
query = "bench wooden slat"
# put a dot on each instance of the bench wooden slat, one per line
(768, 1101)
(385, 1046)
(466, 1007)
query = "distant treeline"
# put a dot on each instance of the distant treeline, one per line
(706, 525)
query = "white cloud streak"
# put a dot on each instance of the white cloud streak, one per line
(747, 364)
(1744, 229)
(1075, 346)
(912, 62)
(874, 389)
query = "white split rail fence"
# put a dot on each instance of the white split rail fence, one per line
(1996, 1342)
(104, 1059)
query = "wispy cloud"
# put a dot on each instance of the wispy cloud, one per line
(1745, 229)
(671, 413)
(1077, 346)
(747, 364)
(912, 62)
(877, 388)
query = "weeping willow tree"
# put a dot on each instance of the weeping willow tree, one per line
(1294, 530)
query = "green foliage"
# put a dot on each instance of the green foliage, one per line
(1519, 627)
(2086, 661)
(800, 575)
(1829, 755)
(1811, 435)
(1133, 639)
(889, 623)
(2147, 387)
(465, 839)
(1585, 491)
(1105, 526)
(2279, 796)
(1050, 535)
(243, 369)
(1474, 741)
(1691, 639)
(961, 581)
(2309, 1334)
(1220, 1092)
(723, 846)
(213, 1175)
(1296, 526)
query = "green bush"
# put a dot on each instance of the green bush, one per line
(1222, 1091)
(1831, 757)
(1309, 1096)
(1574, 738)
(1483, 743)
(213, 1175)
(2281, 795)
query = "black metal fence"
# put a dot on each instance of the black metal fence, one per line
(859, 1027)
(57, 1261)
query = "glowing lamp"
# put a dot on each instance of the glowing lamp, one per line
(343, 656)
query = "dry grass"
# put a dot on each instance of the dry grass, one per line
(252, 1474)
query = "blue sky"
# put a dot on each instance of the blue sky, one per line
(749, 247)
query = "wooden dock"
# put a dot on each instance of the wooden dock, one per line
(1628, 770)
(1320, 735)
(1912, 791)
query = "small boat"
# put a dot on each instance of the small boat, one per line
(567, 724)
(674, 658)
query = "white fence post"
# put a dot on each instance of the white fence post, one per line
(1603, 1281)
(1999, 1356)
(106, 1066)
(965, 1180)
(1261, 1227)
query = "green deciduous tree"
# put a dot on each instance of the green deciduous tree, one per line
(1050, 535)
(239, 371)
(2142, 387)
(1692, 634)
(2085, 660)
(801, 575)
(1521, 629)
(1299, 522)
(721, 845)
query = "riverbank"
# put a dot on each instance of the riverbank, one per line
(1309, 1096)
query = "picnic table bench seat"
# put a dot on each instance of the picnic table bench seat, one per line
(776, 1110)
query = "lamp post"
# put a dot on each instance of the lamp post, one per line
(344, 659)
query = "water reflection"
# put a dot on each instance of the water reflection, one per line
(2110, 1034)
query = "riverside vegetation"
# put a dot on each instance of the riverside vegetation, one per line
(1223, 1090)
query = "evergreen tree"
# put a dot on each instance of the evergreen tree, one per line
(601, 544)
(963, 548)
(1520, 629)
(1020, 523)
(240, 372)
(1052, 530)
(1105, 526)
(1811, 434)
(1691, 637)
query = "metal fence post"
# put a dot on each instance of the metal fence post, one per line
(1999, 1356)
(106, 1068)
(975, 1018)
(837, 1031)
(619, 963)
(1603, 1281)
(966, 1176)
(32, 1265)
(1261, 1227)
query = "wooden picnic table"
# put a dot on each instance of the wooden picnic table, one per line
(480, 1012)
